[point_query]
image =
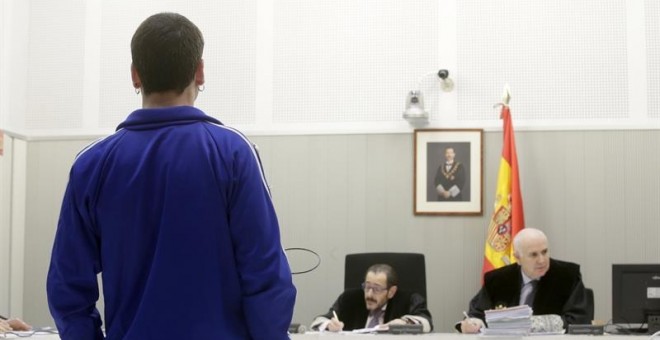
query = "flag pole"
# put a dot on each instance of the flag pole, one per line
(508, 217)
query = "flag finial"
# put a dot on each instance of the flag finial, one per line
(506, 95)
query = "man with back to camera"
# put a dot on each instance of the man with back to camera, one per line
(549, 286)
(450, 178)
(173, 209)
(378, 302)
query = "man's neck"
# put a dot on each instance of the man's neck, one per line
(381, 308)
(170, 98)
(525, 277)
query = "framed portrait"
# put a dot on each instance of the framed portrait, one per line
(448, 172)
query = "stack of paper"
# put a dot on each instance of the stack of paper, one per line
(508, 321)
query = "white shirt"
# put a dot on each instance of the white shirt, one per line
(381, 320)
(527, 288)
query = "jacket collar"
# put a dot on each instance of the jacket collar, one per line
(142, 119)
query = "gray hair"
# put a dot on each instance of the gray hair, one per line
(525, 235)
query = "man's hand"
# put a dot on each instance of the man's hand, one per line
(471, 325)
(397, 322)
(18, 325)
(4, 326)
(335, 325)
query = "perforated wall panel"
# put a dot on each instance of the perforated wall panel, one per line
(347, 61)
(3, 75)
(563, 59)
(229, 56)
(56, 64)
(652, 10)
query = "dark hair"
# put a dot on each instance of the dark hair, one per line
(390, 273)
(166, 51)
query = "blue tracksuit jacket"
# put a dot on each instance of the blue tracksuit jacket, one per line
(174, 211)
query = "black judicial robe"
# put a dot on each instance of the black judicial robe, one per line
(352, 309)
(560, 291)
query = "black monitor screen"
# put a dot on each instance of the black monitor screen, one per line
(635, 292)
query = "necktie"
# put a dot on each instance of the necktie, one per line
(375, 318)
(527, 293)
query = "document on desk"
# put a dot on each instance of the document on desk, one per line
(48, 333)
(376, 329)
(503, 332)
(513, 321)
(548, 333)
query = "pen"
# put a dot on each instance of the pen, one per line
(335, 314)
(467, 318)
(2, 317)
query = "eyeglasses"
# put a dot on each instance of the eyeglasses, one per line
(375, 288)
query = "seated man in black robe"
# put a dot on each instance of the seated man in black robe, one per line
(378, 302)
(547, 285)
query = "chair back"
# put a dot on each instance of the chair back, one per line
(590, 303)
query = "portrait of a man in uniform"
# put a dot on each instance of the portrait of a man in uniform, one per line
(450, 179)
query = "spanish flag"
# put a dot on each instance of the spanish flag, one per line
(508, 218)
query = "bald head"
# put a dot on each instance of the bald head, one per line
(526, 236)
(530, 247)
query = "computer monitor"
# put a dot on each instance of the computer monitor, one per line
(636, 296)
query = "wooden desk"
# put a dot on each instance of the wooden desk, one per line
(429, 336)
(35, 336)
(451, 336)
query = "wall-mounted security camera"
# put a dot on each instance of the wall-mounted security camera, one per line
(447, 84)
(415, 112)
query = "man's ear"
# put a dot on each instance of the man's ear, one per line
(135, 77)
(199, 73)
(391, 291)
(516, 255)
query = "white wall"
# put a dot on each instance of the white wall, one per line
(12, 225)
(340, 194)
(328, 66)
(5, 222)
(321, 86)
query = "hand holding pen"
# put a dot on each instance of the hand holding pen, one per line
(335, 325)
(470, 325)
(8, 325)
(4, 326)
